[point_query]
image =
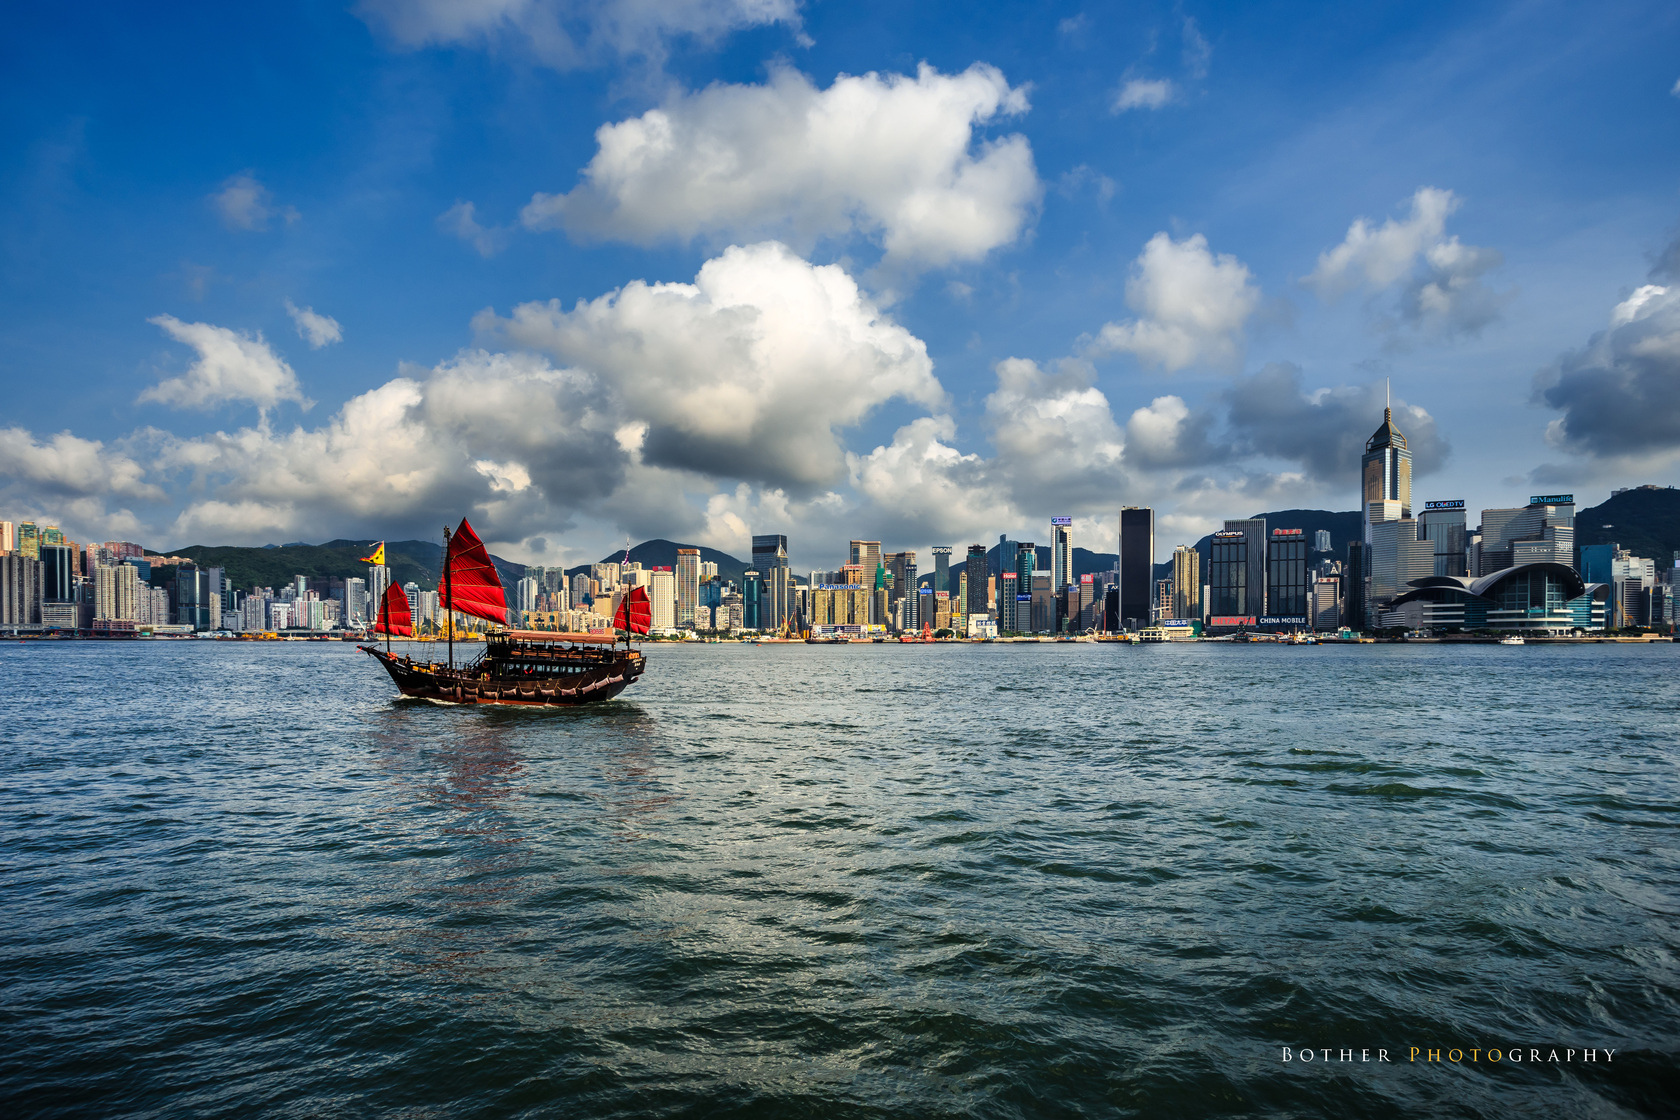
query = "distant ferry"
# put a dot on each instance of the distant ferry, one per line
(518, 667)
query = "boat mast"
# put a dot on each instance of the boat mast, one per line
(448, 599)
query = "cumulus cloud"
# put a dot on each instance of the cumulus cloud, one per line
(1167, 433)
(1440, 279)
(231, 366)
(244, 203)
(461, 220)
(567, 34)
(1324, 430)
(1191, 306)
(1055, 435)
(317, 330)
(921, 485)
(1143, 93)
(892, 157)
(749, 372)
(1620, 394)
(68, 466)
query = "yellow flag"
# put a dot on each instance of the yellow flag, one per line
(378, 556)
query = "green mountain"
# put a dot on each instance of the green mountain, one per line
(1644, 520)
(661, 553)
(416, 561)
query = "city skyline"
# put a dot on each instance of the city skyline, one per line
(1085, 258)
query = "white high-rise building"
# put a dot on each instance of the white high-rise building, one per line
(662, 597)
(1061, 553)
(527, 594)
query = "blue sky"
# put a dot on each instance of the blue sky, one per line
(923, 273)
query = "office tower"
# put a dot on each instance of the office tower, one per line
(1354, 575)
(1542, 530)
(902, 567)
(1228, 575)
(1162, 607)
(770, 560)
(379, 578)
(974, 576)
(1006, 550)
(865, 554)
(1026, 565)
(29, 540)
(687, 578)
(752, 596)
(1326, 604)
(58, 573)
(1061, 552)
(1396, 556)
(355, 603)
(580, 588)
(1187, 582)
(1042, 614)
(1385, 475)
(1090, 603)
(1321, 541)
(942, 568)
(1136, 565)
(8, 536)
(1286, 574)
(1006, 599)
(1442, 524)
(1253, 530)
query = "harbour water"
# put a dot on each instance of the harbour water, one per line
(1051, 880)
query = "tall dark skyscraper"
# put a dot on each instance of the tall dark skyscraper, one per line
(1385, 475)
(1353, 584)
(975, 569)
(1228, 566)
(1137, 565)
(770, 560)
(1253, 530)
(942, 568)
(1286, 574)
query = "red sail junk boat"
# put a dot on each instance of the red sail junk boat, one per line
(530, 667)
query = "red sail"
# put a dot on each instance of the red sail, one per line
(635, 613)
(394, 616)
(473, 586)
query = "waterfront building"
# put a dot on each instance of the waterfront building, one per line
(20, 589)
(1542, 530)
(58, 574)
(942, 567)
(1544, 597)
(687, 578)
(770, 561)
(1006, 600)
(116, 594)
(662, 598)
(1286, 576)
(1355, 573)
(1253, 530)
(1136, 565)
(379, 578)
(943, 601)
(1163, 604)
(1228, 578)
(901, 566)
(1321, 540)
(1326, 604)
(752, 598)
(702, 618)
(1041, 609)
(1385, 476)
(1397, 557)
(975, 583)
(1061, 553)
(1187, 582)
(1442, 524)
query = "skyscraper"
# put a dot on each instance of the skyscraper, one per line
(1187, 582)
(1385, 475)
(902, 567)
(942, 569)
(1136, 565)
(1286, 574)
(770, 561)
(752, 600)
(974, 576)
(1061, 553)
(1228, 572)
(688, 583)
(1253, 530)
(1354, 574)
(1443, 524)
(866, 555)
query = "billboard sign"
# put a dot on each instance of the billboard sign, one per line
(1288, 532)
(1285, 620)
(1457, 503)
(1552, 500)
(1061, 521)
(1232, 620)
(1176, 621)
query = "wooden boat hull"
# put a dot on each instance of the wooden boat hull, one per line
(472, 685)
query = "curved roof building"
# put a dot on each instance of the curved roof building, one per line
(1385, 475)
(1540, 596)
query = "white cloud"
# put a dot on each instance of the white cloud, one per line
(747, 373)
(1674, 90)
(231, 366)
(922, 485)
(1166, 433)
(1191, 306)
(244, 203)
(1143, 93)
(1440, 279)
(317, 330)
(572, 33)
(68, 466)
(461, 220)
(892, 157)
(1056, 439)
